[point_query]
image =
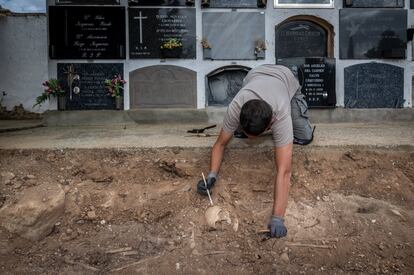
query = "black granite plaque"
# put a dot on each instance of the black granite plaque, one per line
(87, 32)
(171, 3)
(84, 84)
(373, 3)
(234, 4)
(374, 85)
(149, 28)
(304, 3)
(87, 2)
(316, 75)
(372, 33)
(411, 4)
(300, 39)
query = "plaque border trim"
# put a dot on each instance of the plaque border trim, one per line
(278, 5)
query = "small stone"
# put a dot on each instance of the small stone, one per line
(318, 198)
(7, 177)
(30, 177)
(325, 198)
(29, 216)
(103, 222)
(123, 194)
(381, 246)
(374, 221)
(91, 215)
(186, 188)
(285, 257)
(397, 213)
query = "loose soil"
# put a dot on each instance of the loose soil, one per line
(136, 212)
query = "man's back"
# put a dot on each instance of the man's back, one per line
(274, 84)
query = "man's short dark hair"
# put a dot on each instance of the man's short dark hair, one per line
(255, 117)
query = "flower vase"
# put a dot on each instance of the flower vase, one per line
(207, 54)
(260, 54)
(61, 100)
(119, 101)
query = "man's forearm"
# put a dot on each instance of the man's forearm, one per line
(216, 157)
(281, 193)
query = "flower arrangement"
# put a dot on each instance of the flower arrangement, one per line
(52, 89)
(205, 44)
(171, 43)
(115, 86)
(260, 46)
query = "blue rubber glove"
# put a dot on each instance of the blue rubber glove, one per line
(277, 227)
(211, 180)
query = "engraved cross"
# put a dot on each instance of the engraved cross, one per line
(140, 18)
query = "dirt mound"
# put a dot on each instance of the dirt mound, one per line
(136, 211)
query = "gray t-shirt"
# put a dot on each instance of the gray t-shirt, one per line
(274, 84)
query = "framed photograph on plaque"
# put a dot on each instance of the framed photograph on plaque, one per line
(303, 4)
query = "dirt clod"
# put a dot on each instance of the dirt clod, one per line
(123, 213)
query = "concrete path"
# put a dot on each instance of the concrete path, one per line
(15, 125)
(174, 135)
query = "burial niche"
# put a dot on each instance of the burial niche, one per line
(163, 86)
(374, 85)
(304, 36)
(305, 45)
(224, 83)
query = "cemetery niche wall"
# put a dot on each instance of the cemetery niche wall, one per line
(164, 86)
(234, 35)
(224, 83)
(84, 84)
(162, 33)
(372, 33)
(86, 32)
(374, 85)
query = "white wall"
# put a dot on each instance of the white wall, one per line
(23, 60)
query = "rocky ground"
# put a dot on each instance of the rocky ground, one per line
(17, 113)
(135, 211)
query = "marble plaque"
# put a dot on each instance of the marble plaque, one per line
(163, 86)
(224, 83)
(84, 84)
(372, 33)
(304, 3)
(86, 32)
(316, 75)
(373, 3)
(374, 85)
(149, 28)
(300, 39)
(233, 35)
(171, 3)
(234, 4)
